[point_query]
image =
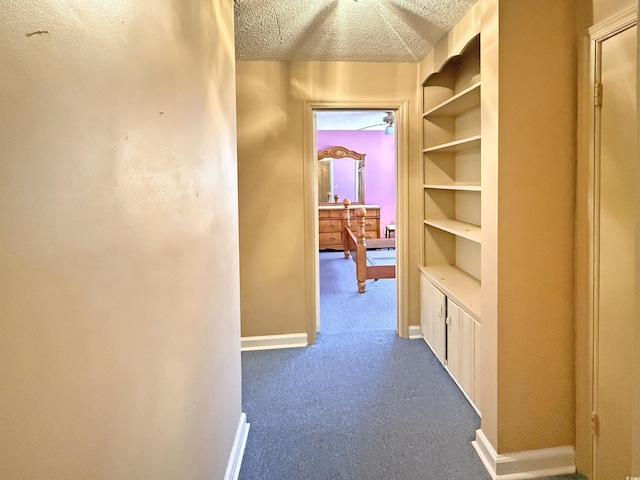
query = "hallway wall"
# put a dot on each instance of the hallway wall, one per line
(119, 271)
(271, 176)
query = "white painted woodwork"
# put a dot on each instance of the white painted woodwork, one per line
(456, 186)
(614, 282)
(545, 462)
(273, 342)
(477, 378)
(451, 173)
(457, 285)
(458, 145)
(461, 347)
(452, 333)
(461, 229)
(237, 451)
(462, 102)
(432, 318)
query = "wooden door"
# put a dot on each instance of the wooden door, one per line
(614, 253)
(432, 318)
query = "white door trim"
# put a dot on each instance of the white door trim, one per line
(597, 35)
(312, 290)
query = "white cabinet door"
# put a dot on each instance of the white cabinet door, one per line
(461, 347)
(432, 318)
(476, 365)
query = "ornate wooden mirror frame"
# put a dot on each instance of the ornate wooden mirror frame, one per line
(337, 153)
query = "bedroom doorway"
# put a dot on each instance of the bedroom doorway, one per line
(364, 170)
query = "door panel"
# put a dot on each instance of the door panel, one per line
(432, 318)
(613, 348)
(461, 347)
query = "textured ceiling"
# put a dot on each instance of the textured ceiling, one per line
(395, 31)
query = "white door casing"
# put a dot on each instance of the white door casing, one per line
(614, 47)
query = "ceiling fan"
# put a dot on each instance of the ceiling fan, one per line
(389, 120)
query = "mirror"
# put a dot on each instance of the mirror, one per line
(340, 175)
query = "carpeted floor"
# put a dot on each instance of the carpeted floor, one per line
(356, 405)
(373, 310)
(360, 404)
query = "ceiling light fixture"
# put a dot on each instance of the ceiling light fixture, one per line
(390, 120)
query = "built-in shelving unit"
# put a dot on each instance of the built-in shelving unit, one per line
(450, 282)
(454, 146)
(470, 187)
(466, 100)
(452, 187)
(491, 185)
(455, 227)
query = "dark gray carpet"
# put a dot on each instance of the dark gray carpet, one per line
(360, 404)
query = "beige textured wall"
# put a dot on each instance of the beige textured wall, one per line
(604, 9)
(271, 176)
(528, 202)
(635, 460)
(119, 270)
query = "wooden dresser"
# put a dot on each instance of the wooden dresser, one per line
(330, 224)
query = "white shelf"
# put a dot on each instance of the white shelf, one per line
(464, 101)
(455, 227)
(456, 145)
(457, 285)
(461, 186)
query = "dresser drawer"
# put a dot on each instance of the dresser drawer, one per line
(373, 213)
(330, 225)
(330, 222)
(339, 213)
(370, 225)
(368, 235)
(330, 239)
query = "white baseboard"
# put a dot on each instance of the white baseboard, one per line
(237, 452)
(526, 464)
(270, 342)
(464, 392)
(414, 332)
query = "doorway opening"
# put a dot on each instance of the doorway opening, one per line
(367, 180)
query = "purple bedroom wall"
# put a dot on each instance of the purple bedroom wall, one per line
(380, 165)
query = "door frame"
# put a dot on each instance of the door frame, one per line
(312, 287)
(597, 35)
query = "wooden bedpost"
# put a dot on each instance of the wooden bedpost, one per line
(346, 223)
(355, 245)
(361, 249)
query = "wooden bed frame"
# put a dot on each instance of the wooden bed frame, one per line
(355, 245)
